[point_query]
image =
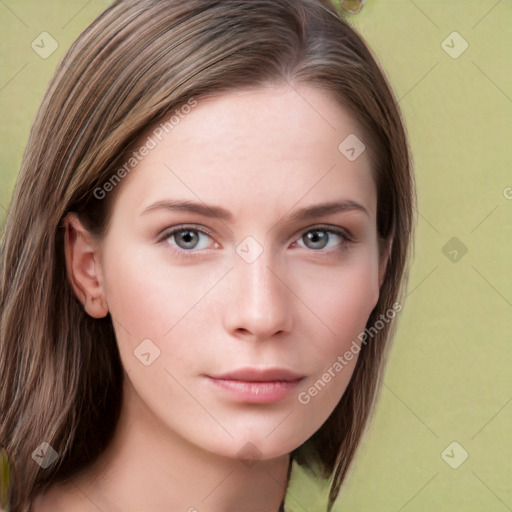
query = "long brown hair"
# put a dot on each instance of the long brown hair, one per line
(60, 371)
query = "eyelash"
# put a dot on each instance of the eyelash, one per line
(346, 238)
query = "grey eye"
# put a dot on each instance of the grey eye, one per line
(186, 238)
(316, 239)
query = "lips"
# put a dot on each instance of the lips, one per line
(260, 375)
(256, 385)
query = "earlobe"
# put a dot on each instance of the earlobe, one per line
(83, 268)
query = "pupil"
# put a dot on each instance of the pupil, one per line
(187, 237)
(317, 237)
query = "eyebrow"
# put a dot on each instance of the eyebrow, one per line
(303, 214)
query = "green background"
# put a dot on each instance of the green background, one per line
(448, 377)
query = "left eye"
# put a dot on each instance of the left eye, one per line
(320, 239)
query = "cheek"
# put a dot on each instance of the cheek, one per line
(149, 298)
(355, 294)
(342, 297)
(342, 300)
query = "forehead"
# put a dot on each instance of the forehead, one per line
(246, 149)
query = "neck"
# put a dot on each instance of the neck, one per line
(149, 467)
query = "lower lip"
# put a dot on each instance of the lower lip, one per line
(256, 392)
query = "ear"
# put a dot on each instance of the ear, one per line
(385, 255)
(83, 266)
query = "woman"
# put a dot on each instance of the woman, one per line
(203, 257)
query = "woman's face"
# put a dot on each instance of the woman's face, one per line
(233, 287)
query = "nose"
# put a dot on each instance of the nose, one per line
(260, 303)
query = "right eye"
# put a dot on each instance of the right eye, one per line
(186, 239)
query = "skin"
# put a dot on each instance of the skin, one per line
(262, 154)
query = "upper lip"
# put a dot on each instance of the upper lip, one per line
(260, 375)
